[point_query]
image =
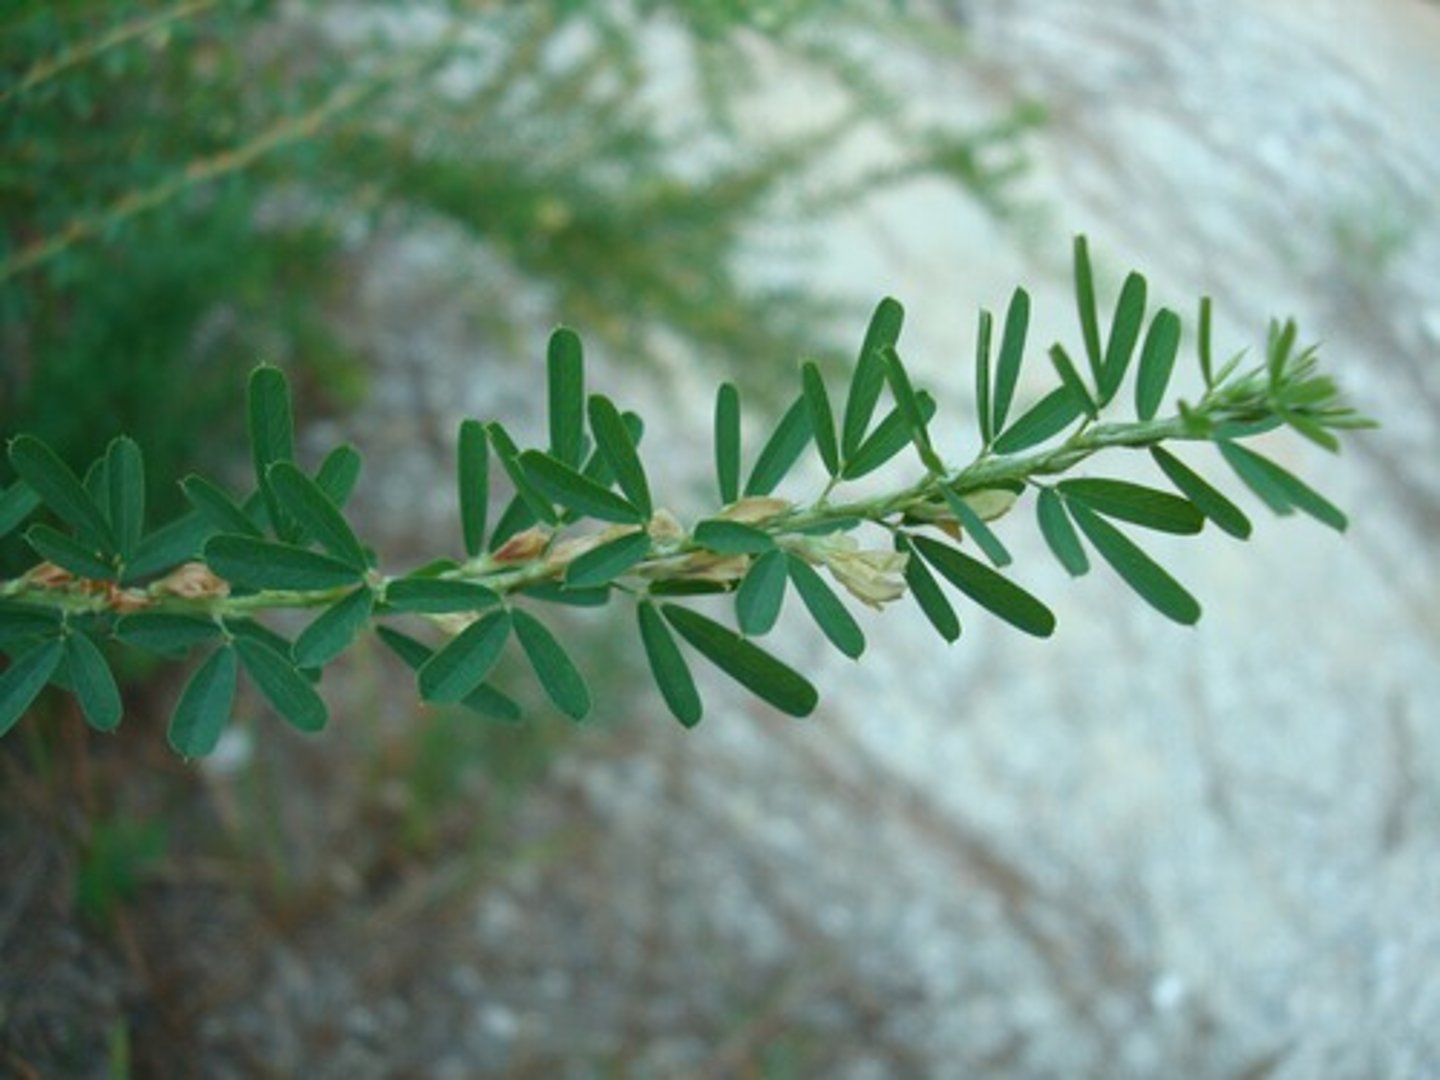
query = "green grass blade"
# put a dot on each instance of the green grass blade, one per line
(753, 668)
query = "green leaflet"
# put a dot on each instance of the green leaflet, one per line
(564, 485)
(613, 440)
(331, 633)
(549, 592)
(1154, 585)
(1049, 416)
(173, 543)
(1124, 333)
(890, 436)
(483, 699)
(264, 564)
(822, 418)
(204, 707)
(25, 678)
(1207, 500)
(1135, 503)
(509, 455)
(165, 633)
(1085, 301)
(603, 564)
(868, 378)
(1059, 533)
(982, 377)
(907, 404)
(516, 517)
(761, 594)
(558, 676)
(19, 621)
(339, 473)
(667, 664)
(473, 472)
(1203, 343)
(302, 500)
(566, 369)
(928, 594)
(1280, 489)
(271, 425)
(92, 682)
(455, 670)
(732, 538)
(1070, 379)
(285, 688)
(257, 631)
(68, 553)
(727, 442)
(125, 493)
(780, 453)
(749, 665)
(1157, 361)
(990, 590)
(438, 596)
(17, 503)
(829, 613)
(214, 504)
(1012, 352)
(51, 479)
(978, 530)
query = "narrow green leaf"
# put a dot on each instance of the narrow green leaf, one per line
(890, 436)
(483, 699)
(828, 611)
(562, 484)
(1154, 585)
(438, 596)
(166, 633)
(1203, 343)
(1059, 533)
(286, 689)
(214, 504)
(761, 594)
(204, 707)
(516, 517)
(928, 594)
(667, 664)
(1070, 378)
(869, 375)
(822, 418)
(1012, 352)
(549, 592)
(1089, 312)
(974, 525)
(271, 424)
(566, 369)
(474, 480)
(68, 553)
(245, 627)
(331, 633)
(727, 442)
(602, 565)
(301, 498)
(17, 503)
(614, 442)
(982, 377)
(743, 661)
(21, 621)
(1049, 416)
(1282, 341)
(93, 684)
(557, 673)
(51, 479)
(779, 455)
(125, 493)
(907, 404)
(265, 564)
(23, 680)
(1207, 500)
(1157, 361)
(1310, 429)
(732, 538)
(339, 473)
(1124, 333)
(990, 590)
(168, 546)
(413, 652)
(462, 664)
(1280, 489)
(1135, 503)
(509, 455)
